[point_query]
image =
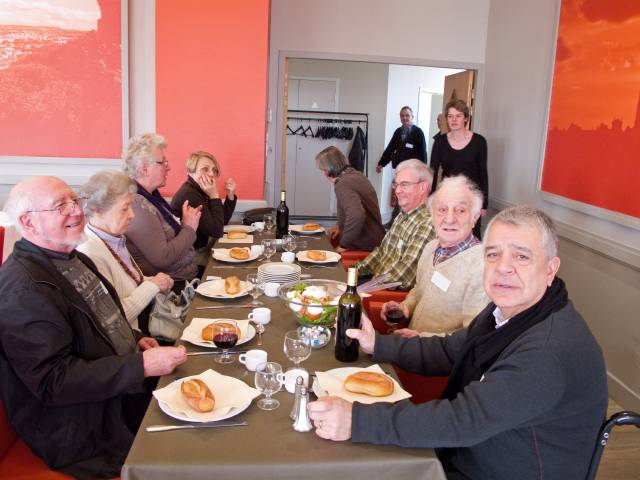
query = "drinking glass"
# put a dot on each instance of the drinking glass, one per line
(297, 347)
(225, 338)
(269, 245)
(269, 380)
(395, 318)
(256, 284)
(289, 243)
(269, 222)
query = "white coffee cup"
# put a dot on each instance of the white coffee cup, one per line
(271, 289)
(260, 315)
(259, 226)
(290, 377)
(256, 250)
(252, 359)
(288, 257)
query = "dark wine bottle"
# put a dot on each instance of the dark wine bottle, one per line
(282, 216)
(349, 311)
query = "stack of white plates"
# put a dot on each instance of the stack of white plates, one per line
(279, 272)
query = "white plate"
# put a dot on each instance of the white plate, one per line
(298, 229)
(222, 254)
(219, 392)
(193, 332)
(215, 289)
(246, 228)
(332, 257)
(279, 269)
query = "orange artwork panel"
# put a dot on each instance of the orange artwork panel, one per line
(593, 140)
(211, 84)
(61, 78)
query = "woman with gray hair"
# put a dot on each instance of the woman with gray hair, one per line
(108, 197)
(159, 240)
(359, 223)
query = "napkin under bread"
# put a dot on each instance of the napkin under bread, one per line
(225, 239)
(332, 382)
(229, 393)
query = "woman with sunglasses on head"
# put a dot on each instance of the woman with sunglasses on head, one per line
(201, 189)
(461, 152)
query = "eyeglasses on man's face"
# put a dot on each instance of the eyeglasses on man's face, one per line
(65, 209)
(404, 185)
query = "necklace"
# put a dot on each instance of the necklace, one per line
(136, 278)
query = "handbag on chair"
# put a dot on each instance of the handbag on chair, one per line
(166, 319)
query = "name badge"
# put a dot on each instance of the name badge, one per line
(440, 281)
(408, 145)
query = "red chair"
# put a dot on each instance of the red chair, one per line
(349, 257)
(1, 243)
(420, 387)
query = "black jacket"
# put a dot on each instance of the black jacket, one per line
(215, 214)
(397, 151)
(62, 383)
(358, 153)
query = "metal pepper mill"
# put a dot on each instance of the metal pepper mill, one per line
(302, 423)
(296, 398)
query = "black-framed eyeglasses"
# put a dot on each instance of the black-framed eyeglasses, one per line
(65, 209)
(404, 185)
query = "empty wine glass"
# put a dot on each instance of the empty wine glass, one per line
(297, 347)
(269, 380)
(269, 245)
(257, 285)
(289, 243)
(225, 336)
(269, 222)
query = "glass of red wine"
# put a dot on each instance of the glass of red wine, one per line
(395, 318)
(225, 336)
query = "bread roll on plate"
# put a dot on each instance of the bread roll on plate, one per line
(236, 234)
(239, 253)
(213, 329)
(232, 285)
(311, 227)
(317, 255)
(369, 383)
(198, 395)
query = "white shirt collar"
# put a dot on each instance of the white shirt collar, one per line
(500, 320)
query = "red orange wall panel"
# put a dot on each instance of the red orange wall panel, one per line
(211, 86)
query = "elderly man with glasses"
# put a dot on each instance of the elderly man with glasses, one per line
(400, 250)
(74, 376)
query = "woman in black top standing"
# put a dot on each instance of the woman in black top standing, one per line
(461, 152)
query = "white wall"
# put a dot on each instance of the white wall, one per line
(417, 32)
(600, 259)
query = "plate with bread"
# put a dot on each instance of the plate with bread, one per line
(364, 385)
(307, 228)
(239, 228)
(318, 256)
(202, 330)
(234, 255)
(207, 397)
(230, 287)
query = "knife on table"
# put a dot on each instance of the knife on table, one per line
(166, 428)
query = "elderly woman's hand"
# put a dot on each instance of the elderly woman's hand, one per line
(163, 281)
(332, 418)
(230, 188)
(190, 215)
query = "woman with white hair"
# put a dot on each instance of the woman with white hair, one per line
(108, 197)
(160, 242)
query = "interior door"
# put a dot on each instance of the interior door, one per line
(460, 86)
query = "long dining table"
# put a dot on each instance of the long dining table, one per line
(268, 447)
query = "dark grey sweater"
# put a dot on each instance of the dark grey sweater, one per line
(534, 415)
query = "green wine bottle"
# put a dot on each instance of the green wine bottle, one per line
(349, 312)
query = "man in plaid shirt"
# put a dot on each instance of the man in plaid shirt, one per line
(400, 250)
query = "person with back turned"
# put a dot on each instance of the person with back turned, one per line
(527, 389)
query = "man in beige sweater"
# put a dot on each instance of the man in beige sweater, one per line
(448, 293)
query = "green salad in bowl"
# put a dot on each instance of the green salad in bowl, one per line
(314, 302)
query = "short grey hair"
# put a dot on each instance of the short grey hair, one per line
(524, 215)
(421, 169)
(140, 151)
(459, 181)
(332, 161)
(18, 203)
(104, 189)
